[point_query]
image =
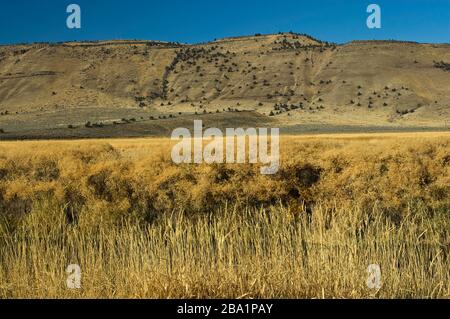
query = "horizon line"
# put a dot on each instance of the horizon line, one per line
(231, 37)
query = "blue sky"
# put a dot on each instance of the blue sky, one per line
(195, 21)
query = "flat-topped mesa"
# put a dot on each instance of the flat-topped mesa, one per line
(291, 76)
(124, 42)
(73, 44)
(383, 41)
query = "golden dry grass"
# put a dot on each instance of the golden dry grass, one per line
(140, 226)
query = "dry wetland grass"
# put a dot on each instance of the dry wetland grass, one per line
(140, 226)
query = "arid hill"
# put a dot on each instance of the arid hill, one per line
(291, 79)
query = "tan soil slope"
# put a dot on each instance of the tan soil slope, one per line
(296, 78)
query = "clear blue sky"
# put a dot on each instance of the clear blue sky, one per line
(200, 20)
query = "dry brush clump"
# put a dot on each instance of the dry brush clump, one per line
(139, 177)
(141, 226)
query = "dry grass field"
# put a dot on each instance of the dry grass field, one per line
(140, 226)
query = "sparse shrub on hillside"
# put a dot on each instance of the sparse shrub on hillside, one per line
(442, 65)
(98, 125)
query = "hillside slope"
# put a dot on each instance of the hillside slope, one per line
(293, 78)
